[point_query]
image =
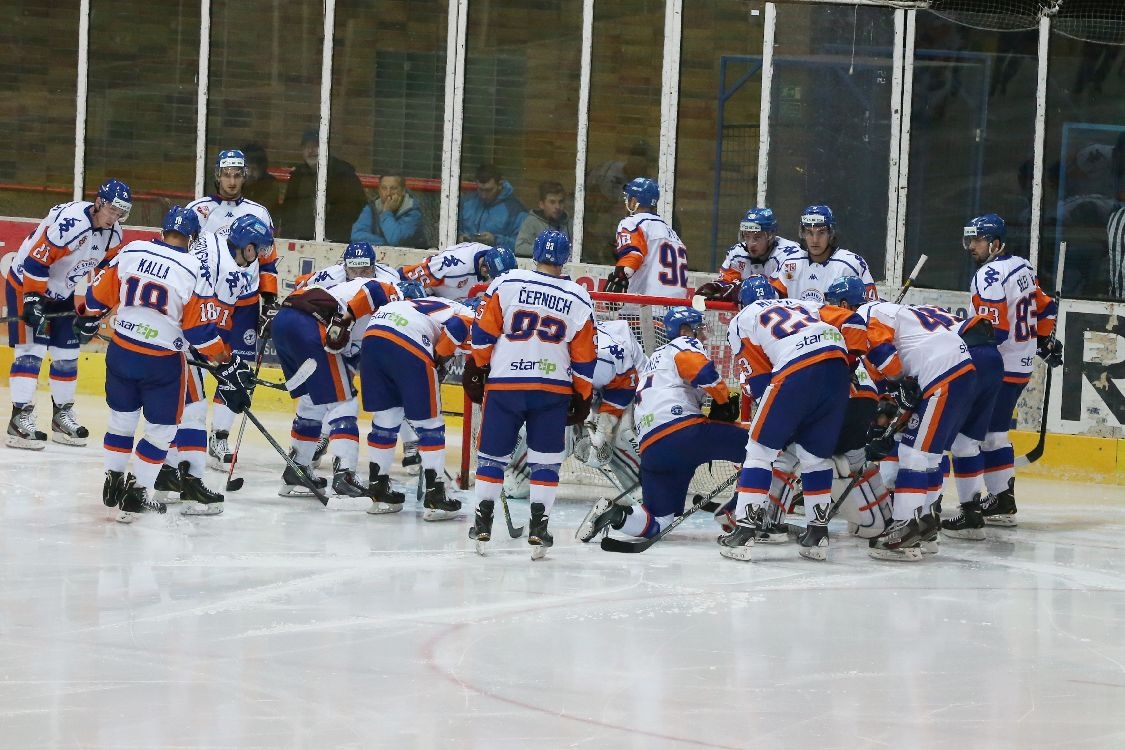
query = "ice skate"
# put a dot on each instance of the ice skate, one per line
(65, 428)
(135, 501)
(436, 506)
(603, 515)
(113, 488)
(1000, 510)
(167, 481)
(21, 429)
(481, 530)
(383, 498)
(292, 486)
(321, 449)
(968, 524)
(900, 542)
(219, 454)
(411, 459)
(814, 542)
(199, 500)
(928, 527)
(537, 535)
(345, 482)
(739, 544)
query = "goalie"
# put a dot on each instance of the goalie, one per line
(606, 442)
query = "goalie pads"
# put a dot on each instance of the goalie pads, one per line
(867, 507)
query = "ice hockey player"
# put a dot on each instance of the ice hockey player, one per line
(228, 260)
(675, 437)
(70, 242)
(532, 362)
(217, 213)
(758, 252)
(651, 258)
(407, 344)
(1006, 291)
(453, 272)
(162, 303)
(804, 276)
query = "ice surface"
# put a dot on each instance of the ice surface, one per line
(282, 624)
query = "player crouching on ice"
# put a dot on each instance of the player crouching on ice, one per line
(675, 437)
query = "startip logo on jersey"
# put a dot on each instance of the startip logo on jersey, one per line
(144, 330)
(544, 365)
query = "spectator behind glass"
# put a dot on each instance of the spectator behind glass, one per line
(399, 222)
(345, 196)
(261, 186)
(493, 214)
(551, 214)
(1115, 226)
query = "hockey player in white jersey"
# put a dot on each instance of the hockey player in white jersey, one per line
(804, 276)
(758, 252)
(1006, 291)
(796, 367)
(651, 258)
(453, 272)
(163, 309)
(217, 212)
(405, 348)
(70, 242)
(675, 437)
(532, 363)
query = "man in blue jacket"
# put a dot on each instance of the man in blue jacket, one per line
(493, 214)
(395, 220)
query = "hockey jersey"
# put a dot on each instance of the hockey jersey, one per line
(163, 301)
(620, 361)
(1006, 292)
(337, 274)
(216, 215)
(800, 278)
(233, 286)
(739, 265)
(673, 384)
(58, 254)
(430, 326)
(928, 350)
(537, 332)
(648, 245)
(775, 337)
(450, 273)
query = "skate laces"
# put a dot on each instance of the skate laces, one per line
(64, 418)
(24, 420)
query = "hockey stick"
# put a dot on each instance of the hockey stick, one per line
(513, 531)
(308, 481)
(48, 316)
(304, 372)
(609, 544)
(911, 278)
(1036, 453)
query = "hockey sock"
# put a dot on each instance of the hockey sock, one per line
(640, 523)
(24, 378)
(817, 487)
(117, 449)
(544, 485)
(222, 418)
(431, 443)
(64, 375)
(383, 437)
(305, 435)
(490, 478)
(343, 442)
(967, 475)
(151, 452)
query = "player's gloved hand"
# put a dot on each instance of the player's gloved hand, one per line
(35, 313)
(266, 315)
(441, 366)
(338, 333)
(880, 444)
(236, 384)
(728, 412)
(723, 291)
(578, 410)
(473, 379)
(908, 394)
(1050, 349)
(618, 281)
(86, 328)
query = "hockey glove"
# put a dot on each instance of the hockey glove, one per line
(86, 328)
(236, 384)
(35, 313)
(578, 410)
(441, 367)
(723, 291)
(266, 316)
(1050, 349)
(728, 412)
(473, 379)
(618, 281)
(881, 446)
(338, 333)
(908, 394)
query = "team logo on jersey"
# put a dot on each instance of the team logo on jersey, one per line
(677, 410)
(789, 270)
(238, 282)
(813, 295)
(178, 343)
(991, 276)
(203, 211)
(79, 272)
(67, 224)
(450, 261)
(617, 352)
(425, 339)
(544, 365)
(82, 242)
(249, 337)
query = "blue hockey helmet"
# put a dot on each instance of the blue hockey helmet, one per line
(760, 219)
(181, 220)
(551, 247)
(230, 158)
(678, 317)
(358, 255)
(119, 195)
(818, 215)
(850, 289)
(496, 261)
(250, 230)
(755, 288)
(646, 191)
(989, 226)
(411, 290)
(473, 303)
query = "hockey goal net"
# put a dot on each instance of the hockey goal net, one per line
(645, 316)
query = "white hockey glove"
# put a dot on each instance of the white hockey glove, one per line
(601, 439)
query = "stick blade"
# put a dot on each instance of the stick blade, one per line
(609, 544)
(304, 372)
(234, 485)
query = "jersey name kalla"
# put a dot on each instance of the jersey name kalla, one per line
(739, 265)
(450, 273)
(805, 280)
(426, 325)
(233, 285)
(64, 247)
(647, 244)
(927, 349)
(1006, 291)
